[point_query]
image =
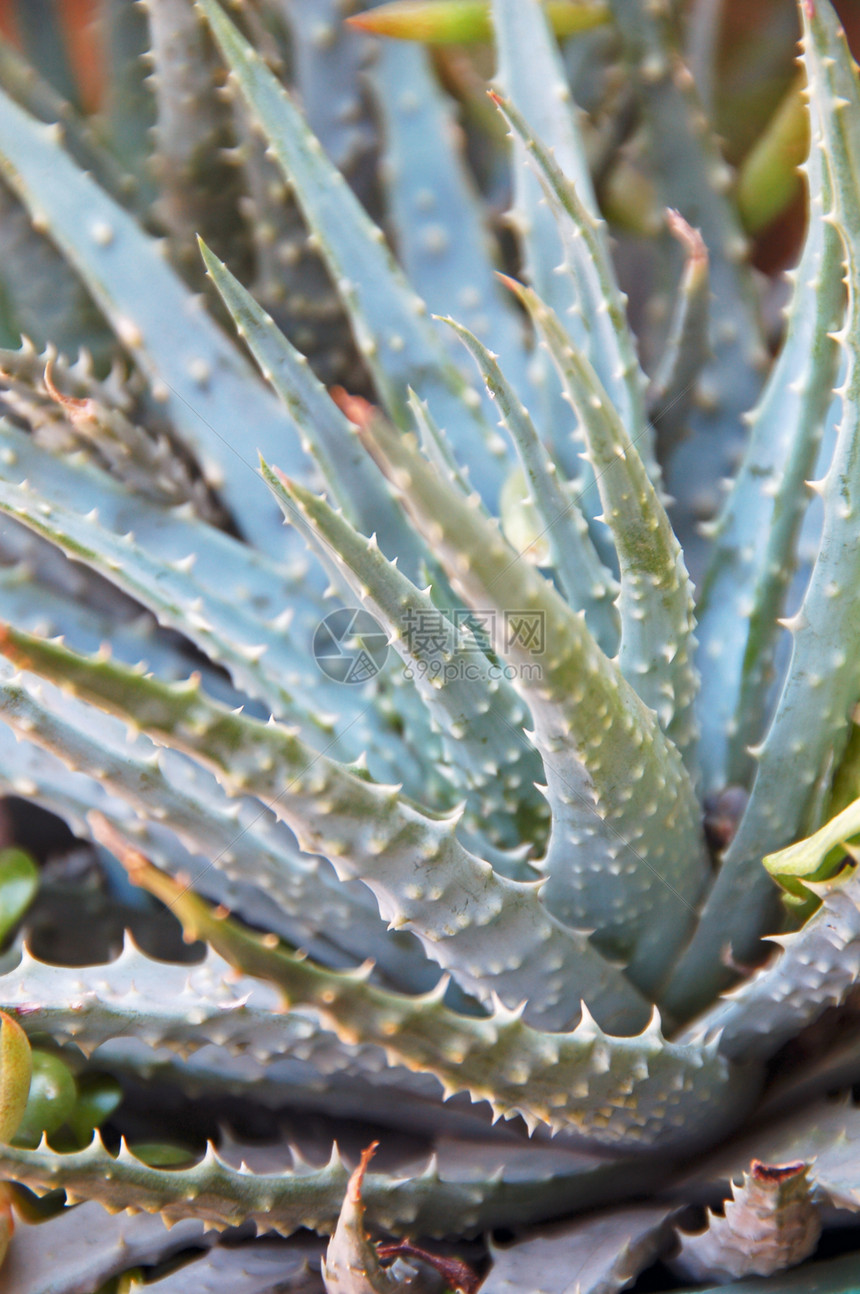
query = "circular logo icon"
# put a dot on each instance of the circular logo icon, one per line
(350, 646)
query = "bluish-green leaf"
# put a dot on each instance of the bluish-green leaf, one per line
(220, 407)
(756, 534)
(326, 433)
(811, 723)
(389, 321)
(371, 834)
(617, 863)
(694, 179)
(439, 230)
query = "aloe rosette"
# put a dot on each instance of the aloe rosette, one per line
(478, 895)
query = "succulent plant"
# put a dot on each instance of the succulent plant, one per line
(484, 779)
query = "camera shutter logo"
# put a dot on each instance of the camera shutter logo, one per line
(349, 646)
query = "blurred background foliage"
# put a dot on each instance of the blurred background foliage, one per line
(751, 100)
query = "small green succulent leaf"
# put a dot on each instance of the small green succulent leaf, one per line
(99, 1095)
(19, 884)
(816, 857)
(768, 180)
(388, 319)
(584, 580)
(655, 600)
(16, 1066)
(441, 22)
(208, 388)
(161, 1154)
(770, 1223)
(52, 1098)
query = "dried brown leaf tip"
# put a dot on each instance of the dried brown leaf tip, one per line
(353, 1263)
(458, 1276)
(77, 411)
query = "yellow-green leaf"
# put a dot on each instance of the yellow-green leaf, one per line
(19, 881)
(769, 178)
(443, 22)
(98, 1097)
(16, 1066)
(815, 858)
(51, 1100)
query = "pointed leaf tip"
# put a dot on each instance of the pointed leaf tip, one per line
(507, 281)
(687, 235)
(359, 411)
(351, 1265)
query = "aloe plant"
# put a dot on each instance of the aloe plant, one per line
(482, 769)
